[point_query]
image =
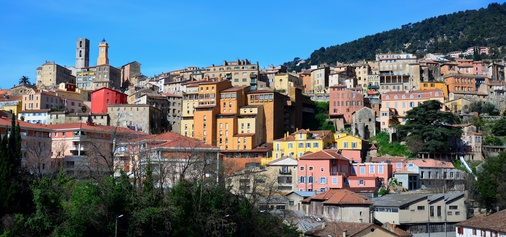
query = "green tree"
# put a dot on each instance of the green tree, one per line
(489, 188)
(24, 80)
(431, 126)
(499, 127)
(15, 194)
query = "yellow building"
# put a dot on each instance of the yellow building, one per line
(284, 81)
(302, 141)
(351, 147)
(11, 104)
(458, 106)
(240, 72)
(434, 85)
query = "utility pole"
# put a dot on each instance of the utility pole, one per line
(116, 226)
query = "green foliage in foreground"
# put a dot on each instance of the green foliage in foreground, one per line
(490, 187)
(69, 207)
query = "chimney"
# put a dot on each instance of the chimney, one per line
(345, 233)
(323, 225)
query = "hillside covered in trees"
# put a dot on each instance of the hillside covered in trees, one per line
(441, 34)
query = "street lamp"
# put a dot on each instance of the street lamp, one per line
(116, 226)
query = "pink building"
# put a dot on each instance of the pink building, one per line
(323, 170)
(343, 102)
(369, 174)
(397, 163)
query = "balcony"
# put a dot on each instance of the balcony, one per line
(285, 171)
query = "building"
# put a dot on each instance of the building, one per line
(301, 142)
(82, 54)
(492, 225)
(344, 102)
(395, 105)
(101, 75)
(437, 174)
(352, 229)
(239, 73)
(174, 112)
(351, 147)
(364, 123)
(421, 213)
(127, 116)
(172, 156)
(50, 74)
(130, 72)
(339, 205)
(398, 72)
(322, 170)
(85, 149)
(104, 97)
(35, 140)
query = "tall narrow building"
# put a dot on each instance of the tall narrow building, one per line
(103, 53)
(82, 53)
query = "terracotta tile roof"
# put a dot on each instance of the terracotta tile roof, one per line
(494, 222)
(6, 122)
(89, 127)
(431, 163)
(235, 88)
(393, 228)
(337, 229)
(324, 155)
(171, 140)
(339, 197)
(379, 159)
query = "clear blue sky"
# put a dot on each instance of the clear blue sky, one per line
(169, 35)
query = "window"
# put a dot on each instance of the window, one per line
(301, 145)
(361, 182)
(310, 179)
(308, 145)
(315, 145)
(334, 180)
(310, 167)
(420, 208)
(302, 168)
(380, 169)
(322, 169)
(432, 211)
(323, 180)
(302, 179)
(289, 145)
(345, 144)
(454, 207)
(354, 145)
(362, 169)
(371, 169)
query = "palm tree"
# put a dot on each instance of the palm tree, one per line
(24, 80)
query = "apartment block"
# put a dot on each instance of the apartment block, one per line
(104, 97)
(239, 73)
(344, 102)
(300, 142)
(127, 116)
(50, 74)
(394, 105)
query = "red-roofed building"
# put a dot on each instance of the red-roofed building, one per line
(322, 170)
(35, 140)
(492, 225)
(340, 205)
(436, 173)
(103, 97)
(172, 156)
(83, 148)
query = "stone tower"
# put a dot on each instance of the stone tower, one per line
(82, 53)
(103, 53)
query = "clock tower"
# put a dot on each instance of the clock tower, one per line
(103, 53)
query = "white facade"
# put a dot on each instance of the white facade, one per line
(472, 232)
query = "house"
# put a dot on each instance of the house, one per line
(323, 170)
(172, 156)
(364, 123)
(492, 225)
(414, 212)
(437, 173)
(295, 198)
(283, 172)
(351, 146)
(381, 172)
(350, 229)
(103, 97)
(340, 205)
(302, 141)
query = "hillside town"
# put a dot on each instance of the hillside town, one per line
(250, 128)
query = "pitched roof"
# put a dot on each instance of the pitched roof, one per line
(494, 222)
(337, 229)
(398, 200)
(324, 155)
(7, 122)
(339, 197)
(171, 140)
(393, 228)
(431, 163)
(90, 127)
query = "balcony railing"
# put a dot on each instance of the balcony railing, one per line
(285, 171)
